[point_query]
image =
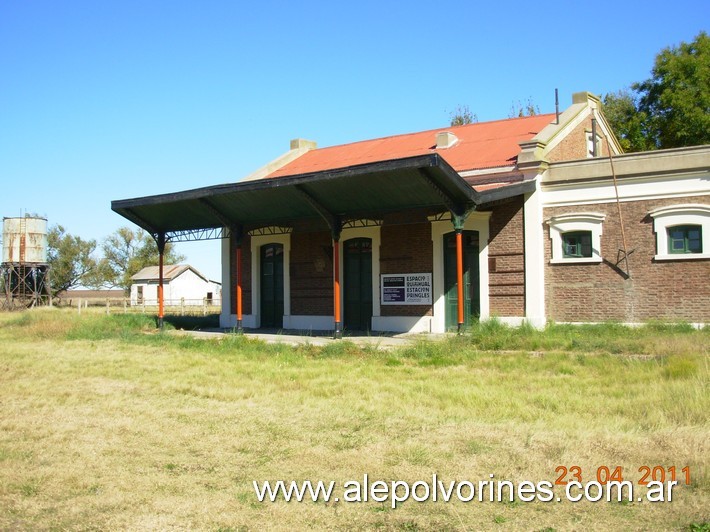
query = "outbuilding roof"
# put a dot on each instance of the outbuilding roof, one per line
(152, 273)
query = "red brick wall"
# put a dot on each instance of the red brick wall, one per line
(674, 290)
(311, 274)
(506, 259)
(574, 145)
(406, 246)
(406, 249)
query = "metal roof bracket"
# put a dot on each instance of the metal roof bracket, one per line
(221, 217)
(334, 221)
(140, 221)
(161, 241)
(458, 220)
(450, 203)
(238, 233)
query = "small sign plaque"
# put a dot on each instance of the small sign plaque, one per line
(405, 289)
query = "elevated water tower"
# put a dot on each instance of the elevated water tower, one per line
(24, 267)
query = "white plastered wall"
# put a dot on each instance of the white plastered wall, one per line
(534, 258)
(150, 293)
(187, 285)
(226, 318)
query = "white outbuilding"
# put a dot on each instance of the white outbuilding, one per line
(182, 285)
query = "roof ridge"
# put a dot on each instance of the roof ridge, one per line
(511, 119)
(168, 270)
(431, 130)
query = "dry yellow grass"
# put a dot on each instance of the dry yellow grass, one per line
(105, 428)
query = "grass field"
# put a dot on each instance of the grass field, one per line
(106, 424)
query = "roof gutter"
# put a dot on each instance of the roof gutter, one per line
(419, 161)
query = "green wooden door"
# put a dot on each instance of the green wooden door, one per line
(471, 292)
(272, 285)
(357, 287)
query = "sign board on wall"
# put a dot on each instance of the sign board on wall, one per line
(405, 289)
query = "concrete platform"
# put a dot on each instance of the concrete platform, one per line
(321, 338)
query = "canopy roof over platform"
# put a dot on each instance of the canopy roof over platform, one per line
(334, 195)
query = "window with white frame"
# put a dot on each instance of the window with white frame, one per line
(682, 231)
(576, 237)
(576, 244)
(593, 145)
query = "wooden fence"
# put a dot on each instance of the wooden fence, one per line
(174, 307)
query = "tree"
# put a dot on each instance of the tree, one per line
(672, 108)
(528, 109)
(676, 98)
(462, 116)
(630, 125)
(70, 259)
(126, 252)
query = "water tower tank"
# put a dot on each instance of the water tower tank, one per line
(24, 240)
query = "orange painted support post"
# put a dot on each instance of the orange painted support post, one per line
(160, 240)
(336, 290)
(459, 278)
(161, 307)
(239, 287)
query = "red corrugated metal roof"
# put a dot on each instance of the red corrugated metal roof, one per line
(481, 145)
(152, 273)
(491, 186)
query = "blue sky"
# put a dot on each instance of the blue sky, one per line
(112, 100)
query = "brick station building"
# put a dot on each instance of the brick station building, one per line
(527, 220)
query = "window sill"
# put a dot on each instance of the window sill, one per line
(683, 256)
(584, 260)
